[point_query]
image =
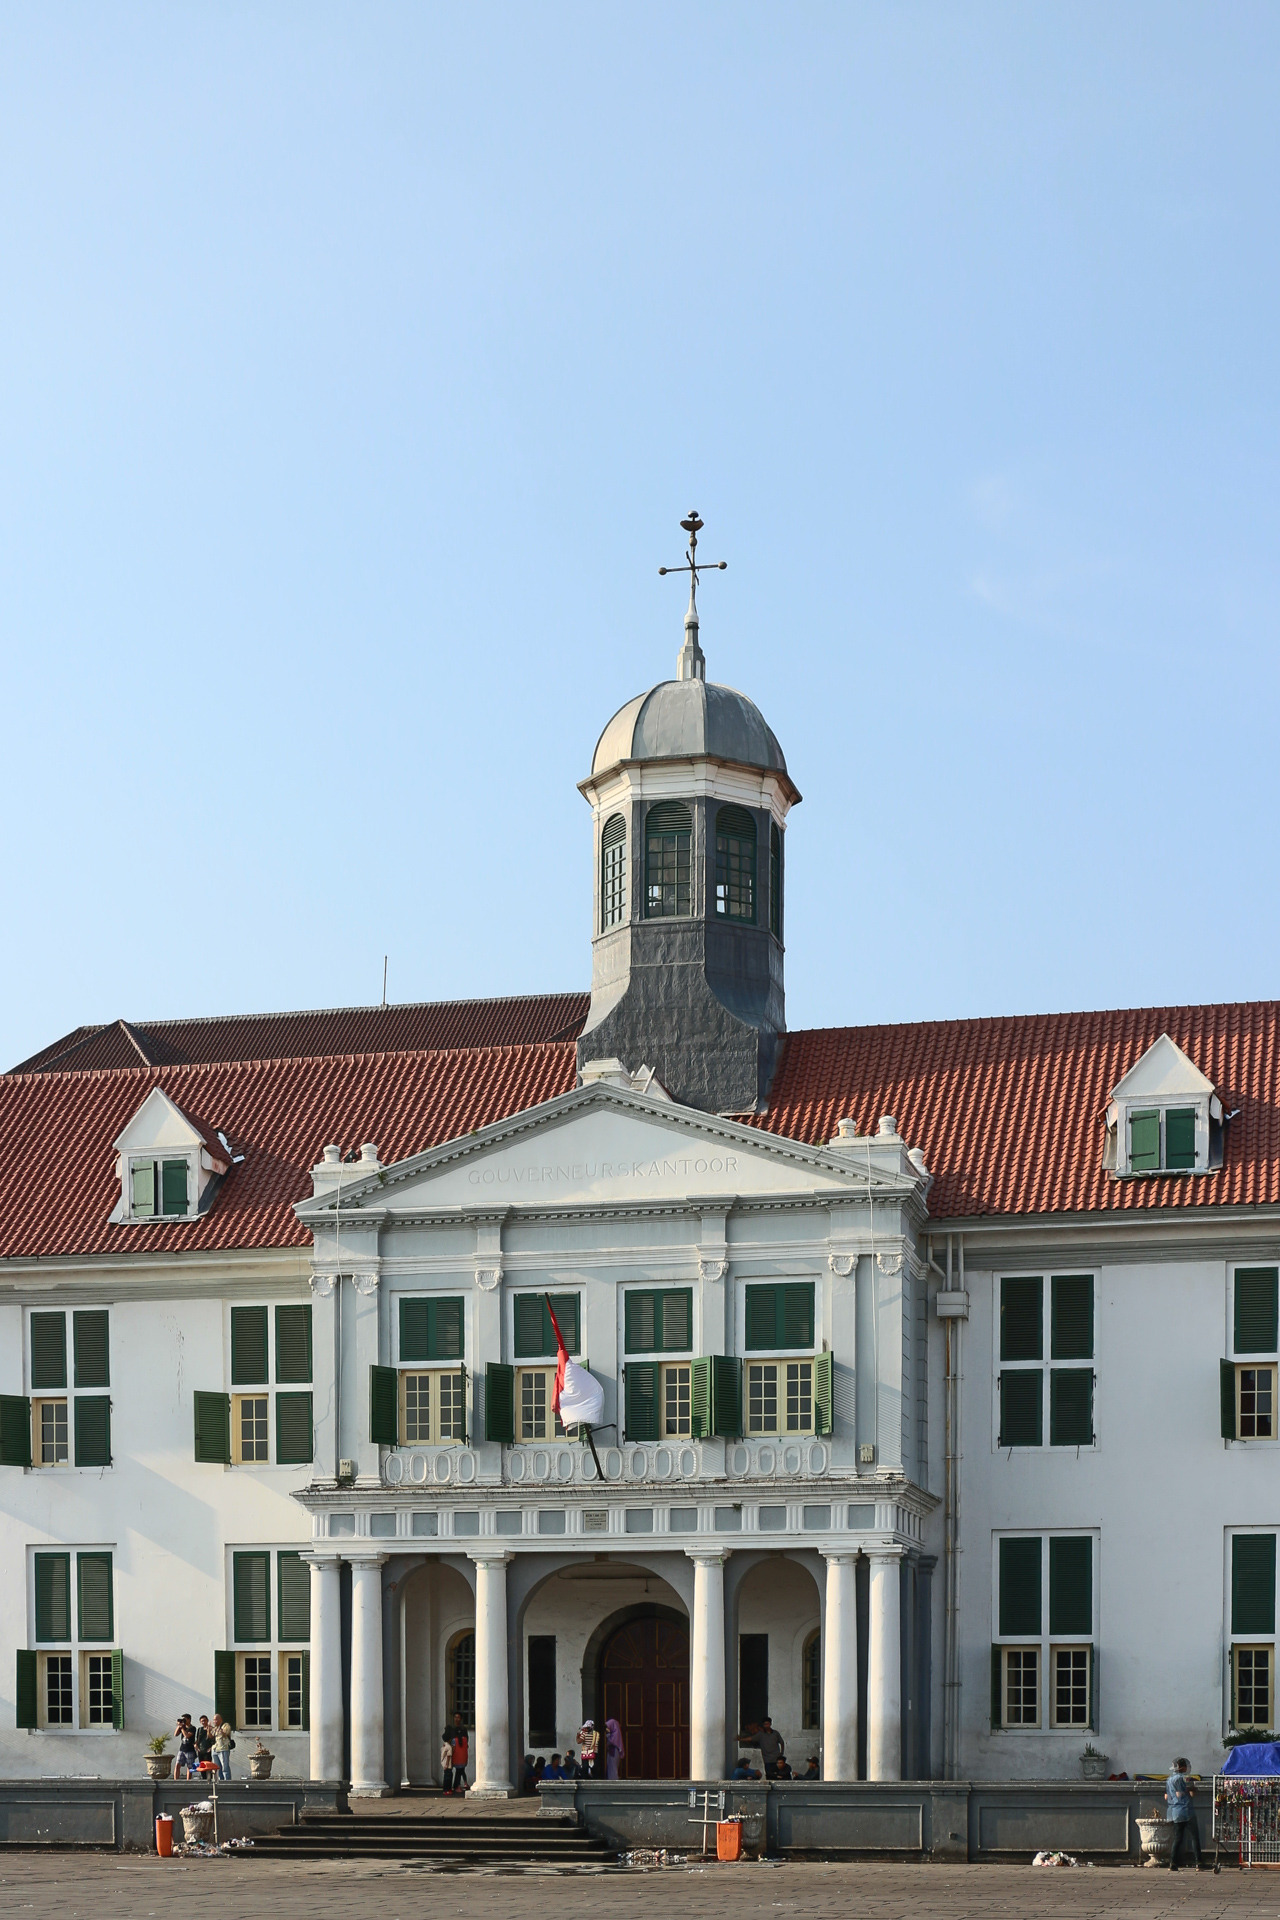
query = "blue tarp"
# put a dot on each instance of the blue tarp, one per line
(1262, 1757)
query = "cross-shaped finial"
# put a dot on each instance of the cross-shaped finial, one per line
(692, 663)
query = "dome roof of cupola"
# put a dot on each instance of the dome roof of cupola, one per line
(687, 720)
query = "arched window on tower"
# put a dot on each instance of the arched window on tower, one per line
(735, 864)
(613, 873)
(775, 881)
(668, 863)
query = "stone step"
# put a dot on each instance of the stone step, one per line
(296, 1843)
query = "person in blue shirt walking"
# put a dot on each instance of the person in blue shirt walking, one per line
(1178, 1792)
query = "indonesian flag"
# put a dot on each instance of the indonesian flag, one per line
(577, 1396)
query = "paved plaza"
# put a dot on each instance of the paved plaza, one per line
(103, 1886)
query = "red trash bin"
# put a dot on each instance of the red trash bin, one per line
(164, 1835)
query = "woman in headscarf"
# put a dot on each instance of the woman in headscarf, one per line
(614, 1749)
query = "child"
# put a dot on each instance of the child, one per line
(446, 1761)
(461, 1754)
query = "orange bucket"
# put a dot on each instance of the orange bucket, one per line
(728, 1839)
(164, 1835)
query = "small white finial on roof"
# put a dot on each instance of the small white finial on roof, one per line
(691, 662)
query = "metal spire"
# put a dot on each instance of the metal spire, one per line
(691, 663)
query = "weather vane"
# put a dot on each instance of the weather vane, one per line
(693, 527)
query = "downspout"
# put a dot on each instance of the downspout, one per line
(954, 1338)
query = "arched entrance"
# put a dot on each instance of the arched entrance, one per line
(644, 1685)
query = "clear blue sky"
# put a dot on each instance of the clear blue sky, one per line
(357, 363)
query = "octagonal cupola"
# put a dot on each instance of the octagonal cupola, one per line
(689, 792)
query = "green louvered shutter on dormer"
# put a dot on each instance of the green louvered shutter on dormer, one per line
(1144, 1141)
(173, 1187)
(1180, 1138)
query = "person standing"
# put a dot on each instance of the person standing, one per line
(185, 1767)
(222, 1745)
(589, 1746)
(772, 1747)
(613, 1747)
(1178, 1793)
(461, 1755)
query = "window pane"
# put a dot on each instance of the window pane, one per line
(799, 1396)
(613, 872)
(450, 1390)
(677, 1402)
(668, 844)
(417, 1408)
(1256, 1418)
(98, 1690)
(1071, 1686)
(53, 1433)
(294, 1689)
(251, 1409)
(735, 864)
(57, 1674)
(462, 1679)
(1253, 1688)
(257, 1689)
(762, 1399)
(1022, 1686)
(533, 1404)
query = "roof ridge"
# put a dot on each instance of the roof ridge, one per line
(290, 1060)
(373, 1006)
(1009, 1019)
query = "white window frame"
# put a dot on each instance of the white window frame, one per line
(53, 1396)
(267, 1390)
(1044, 1643)
(156, 1157)
(780, 1363)
(432, 1373)
(672, 1366)
(277, 1651)
(1044, 1363)
(553, 1428)
(77, 1650)
(1121, 1112)
(740, 1316)
(1251, 1361)
(1233, 1640)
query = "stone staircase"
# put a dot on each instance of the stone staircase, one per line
(446, 1833)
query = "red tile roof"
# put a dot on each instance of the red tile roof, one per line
(1008, 1113)
(58, 1183)
(515, 1021)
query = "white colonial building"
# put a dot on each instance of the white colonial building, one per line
(939, 1361)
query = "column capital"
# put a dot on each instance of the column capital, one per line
(321, 1556)
(366, 1559)
(886, 1552)
(839, 1555)
(710, 1556)
(498, 1558)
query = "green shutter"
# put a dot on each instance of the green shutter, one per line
(675, 1320)
(224, 1686)
(500, 1403)
(249, 1347)
(1179, 1138)
(1144, 1142)
(295, 1435)
(1019, 1603)
(213, 1427)
(415, 1334)
(94, 1599)
(293, 1344)
(528, 1311)
(27, 1690)
(384, 1406)
(1070, 1406)
(700, 1398)
(93, 1430)
(640, 1322)
(796, 1325)
(726, 1396)
(997, 1691)
(1071, 1320)
(251, 1595)
(446, 1329)
(1227, 1399)
(1255, 1310)
(53, 1596)
(117, 1689)
(1093, 1689)
(1071, 1584)
(143, 1183)
(566, 1309)
(48, 1351)
(173, 1186)
(15, 1430)
(1253, 1583)
(641, 1388)
(1021, 1409)
(90, 1342)
(822, 1392)
(1022, 1319)
(762, 1319)
(293, 1596)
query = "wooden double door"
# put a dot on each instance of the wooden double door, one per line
(644, 1672)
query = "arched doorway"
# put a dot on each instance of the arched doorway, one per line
(644, 1685)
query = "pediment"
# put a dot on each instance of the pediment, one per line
(600, 1146)
(159, 1125)
(1164, 1072)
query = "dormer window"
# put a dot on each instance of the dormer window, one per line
(1164, 1117)
(159, 1187)
(169, 1167)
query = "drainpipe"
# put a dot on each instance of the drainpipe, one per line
(952, 1312)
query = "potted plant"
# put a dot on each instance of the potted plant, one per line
(1093, 1765)
(260, 1763)
(159, 1763)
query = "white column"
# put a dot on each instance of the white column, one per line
(367, 1760)
(706, 1668)
(884, 1667)
(492, 1752)
(840, 1670)
(326, 1668)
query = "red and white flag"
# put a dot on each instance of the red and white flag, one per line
(577, 1396)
